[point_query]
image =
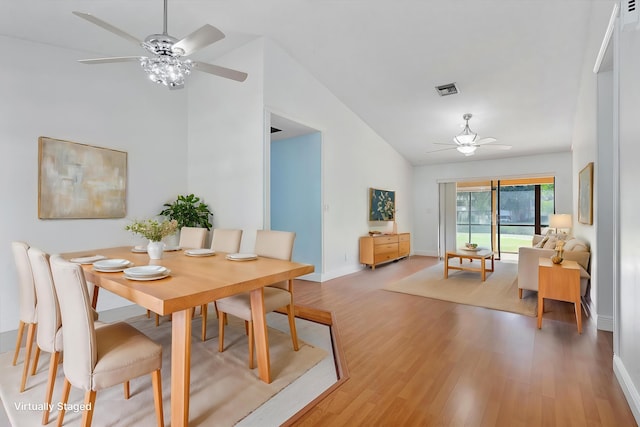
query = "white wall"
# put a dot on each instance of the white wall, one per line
(44, 92)
(354, 158)
(627, 357)
(426, 179)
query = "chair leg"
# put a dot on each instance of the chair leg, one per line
(89, 403)
(36, 359)
(51, 382)
(156, 379)
(203, 310)
(66, 387)
(148, 314)
(157, 320)
(251, 345)
(18, 342)
(221, 316)
(520, 293)
(291, 313)
(31, 333)
(126, 390)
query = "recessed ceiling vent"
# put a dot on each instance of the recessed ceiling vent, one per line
(630, 15)
(448, 89)
(275, 130)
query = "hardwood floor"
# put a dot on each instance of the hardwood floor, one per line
(415, 361)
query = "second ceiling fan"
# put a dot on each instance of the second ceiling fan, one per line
(166, 63)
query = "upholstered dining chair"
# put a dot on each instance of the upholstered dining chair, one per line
(49, 335)
(223, 240)
(192, 237)
(270, 244)
(97, 358)
(27, 307)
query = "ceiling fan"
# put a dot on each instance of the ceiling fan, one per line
(166, 63)
(467, 141)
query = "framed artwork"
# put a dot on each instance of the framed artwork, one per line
(585, 195)
(382, 205)
(80, 181)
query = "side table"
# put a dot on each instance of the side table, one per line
(560, 282)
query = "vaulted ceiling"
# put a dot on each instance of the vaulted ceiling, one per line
(517, 64)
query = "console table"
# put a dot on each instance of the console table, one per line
(560, 282)
(383, 248)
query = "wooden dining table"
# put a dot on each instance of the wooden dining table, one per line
(194, 281)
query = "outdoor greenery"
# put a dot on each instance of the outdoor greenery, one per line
(188, 211)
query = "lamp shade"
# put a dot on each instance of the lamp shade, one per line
(560, 221)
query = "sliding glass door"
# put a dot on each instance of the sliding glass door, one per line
(503, 214)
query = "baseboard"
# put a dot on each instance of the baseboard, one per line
(349, 269)
(628, 388)
(311, 277)
(426, 253)
(604, 323)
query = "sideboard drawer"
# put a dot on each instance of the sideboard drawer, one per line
(383, 240)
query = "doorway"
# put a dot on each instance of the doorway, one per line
(295, 188)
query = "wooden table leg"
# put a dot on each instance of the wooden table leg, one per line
(180, 367)
(483, 268)
(578, 315)
(446, 266)
(260, 333)
(540, 310)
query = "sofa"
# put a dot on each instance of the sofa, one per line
(544, 247)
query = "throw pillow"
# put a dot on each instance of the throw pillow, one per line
(551, 243)
(542, 242)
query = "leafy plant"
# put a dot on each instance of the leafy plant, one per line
(152, 229)
(188, 211)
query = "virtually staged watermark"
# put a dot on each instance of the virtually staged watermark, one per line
(39, 407)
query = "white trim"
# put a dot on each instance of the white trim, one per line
(604, 323)
(344, 271)
(628, 388)
(607, 38)
(430, 253)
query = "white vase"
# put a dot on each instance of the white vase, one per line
(155, 249)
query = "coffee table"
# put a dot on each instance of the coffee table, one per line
(480, 254)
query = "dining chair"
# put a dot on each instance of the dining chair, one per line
(192, 237)
(27, 307)
(270, 244)
(223, 240)
(49, 333)
(97, 358)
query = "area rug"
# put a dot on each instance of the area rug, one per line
(498, 292)
(223, 388)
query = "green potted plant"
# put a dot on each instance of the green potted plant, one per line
(188, 211)
(155, 231)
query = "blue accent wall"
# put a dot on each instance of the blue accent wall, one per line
(296, 202)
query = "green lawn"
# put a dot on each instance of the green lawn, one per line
(509, 242)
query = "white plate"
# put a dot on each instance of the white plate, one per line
(242, 257)
(88, 259)
(199, 252)
(140, 278)
(112, 270)
(172, 248)
(107, 264)
(146, 271)
(139, 249)
(471, 249)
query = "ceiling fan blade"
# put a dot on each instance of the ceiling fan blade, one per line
(497, 146)
(203, 36)
(451, 144)
(99, 22)
(441, 149)
(220, 71)
(109, 60)
(485, 141)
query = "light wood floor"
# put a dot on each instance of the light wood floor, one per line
(415, 361)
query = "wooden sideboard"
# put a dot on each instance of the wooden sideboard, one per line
(383, 248)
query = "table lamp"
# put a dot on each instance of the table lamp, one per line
(560, 221)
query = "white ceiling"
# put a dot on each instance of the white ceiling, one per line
(517, 63)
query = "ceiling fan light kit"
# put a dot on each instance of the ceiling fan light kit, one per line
(467, 142)
(168, 66)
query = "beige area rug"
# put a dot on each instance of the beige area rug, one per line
(223, 388)
(498, 292)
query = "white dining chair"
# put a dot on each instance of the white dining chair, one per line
(192, 237)
(270, 244)
(223, 240)
(98, 358)
(27, 308)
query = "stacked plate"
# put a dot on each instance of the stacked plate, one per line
(140, 249)
(199, 252)
(111, 265)
(88, 259)
(242, 257)
(146, 272)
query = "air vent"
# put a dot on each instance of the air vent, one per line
(275, 130)
(630, 15)
(448, 89)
